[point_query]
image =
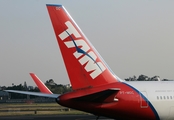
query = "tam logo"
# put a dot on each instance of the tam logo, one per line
(89, 57)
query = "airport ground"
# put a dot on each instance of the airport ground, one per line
(42, 111)
(12, 109)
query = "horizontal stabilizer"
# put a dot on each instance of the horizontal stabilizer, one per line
(34, 93)
(105, 96)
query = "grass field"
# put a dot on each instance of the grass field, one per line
(35, 109)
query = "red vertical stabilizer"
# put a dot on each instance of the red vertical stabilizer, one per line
(84, 65)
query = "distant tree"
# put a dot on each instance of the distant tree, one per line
(16, 95)
(25, 85)
(3, 88)
(22, 88)
(143, 78)
(165, 80)
(56, 88)
(155, 78)
(131, 78)
(50, 82)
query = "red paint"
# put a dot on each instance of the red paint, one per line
(40, 84)
(79, 78)
(127, 108)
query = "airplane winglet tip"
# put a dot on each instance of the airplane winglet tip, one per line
(31, 73)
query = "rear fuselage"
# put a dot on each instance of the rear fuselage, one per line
(136, 100)
(160, 94)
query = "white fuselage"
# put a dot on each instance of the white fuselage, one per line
(160, 94)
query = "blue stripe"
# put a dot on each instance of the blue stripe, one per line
(54, 5)
(151, 106)
(79, 50)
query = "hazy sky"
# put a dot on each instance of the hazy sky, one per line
(133, 36)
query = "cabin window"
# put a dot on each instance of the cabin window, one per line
(167, 97)
(157, 97)
(164, 97)
(161, 97)
(170, 97)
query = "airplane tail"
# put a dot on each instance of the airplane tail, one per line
(40, 84)
(84, 65)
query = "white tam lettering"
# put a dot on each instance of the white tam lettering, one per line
(96, 67)
(88, 58)
(71, 30)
